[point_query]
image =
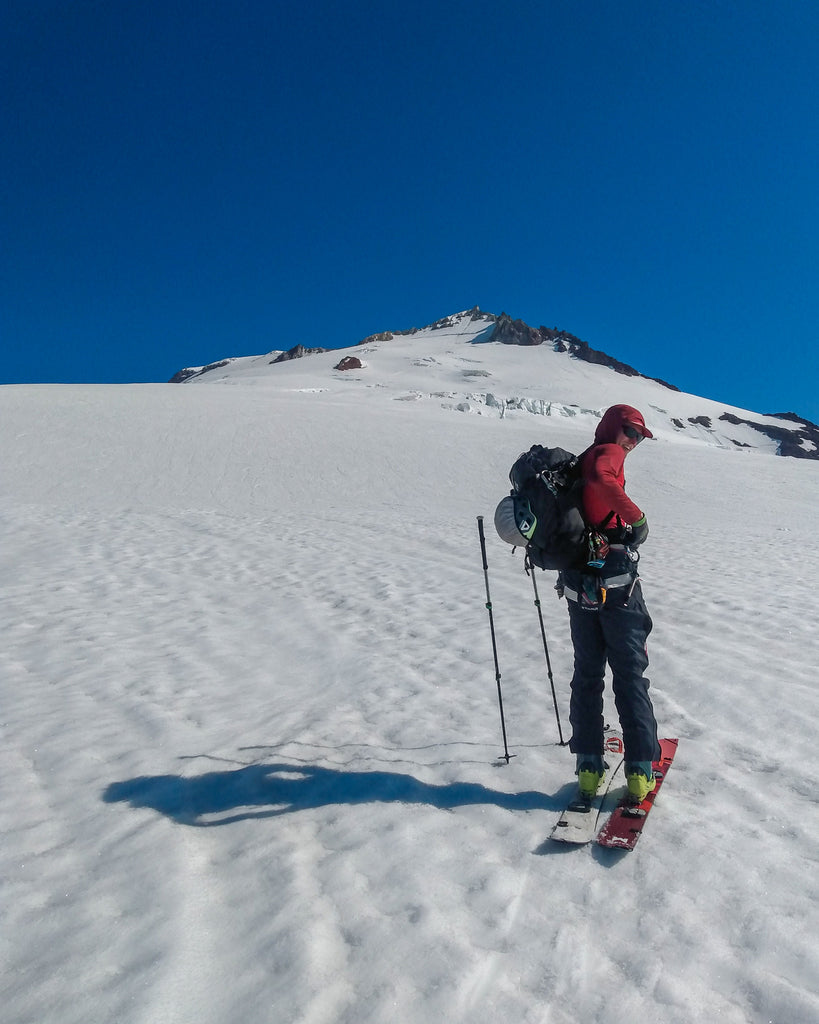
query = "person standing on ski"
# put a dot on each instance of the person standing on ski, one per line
(608, 616)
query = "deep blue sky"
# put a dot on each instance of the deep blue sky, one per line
(183, 180)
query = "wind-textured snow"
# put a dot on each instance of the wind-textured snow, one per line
(250, 738)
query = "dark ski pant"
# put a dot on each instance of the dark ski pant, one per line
(615, 633)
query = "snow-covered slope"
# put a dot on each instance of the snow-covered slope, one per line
(249, 759)
(457, 363)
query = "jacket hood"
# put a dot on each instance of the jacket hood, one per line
(614, 419)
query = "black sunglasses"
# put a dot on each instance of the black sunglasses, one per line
(632, 434)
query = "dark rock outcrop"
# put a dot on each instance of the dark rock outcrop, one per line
(349, 363)
(296, 352)
(387, 335)
(187, 374)
(799, 443)
(515, 332)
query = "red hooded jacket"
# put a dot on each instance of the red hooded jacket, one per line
(604, 496)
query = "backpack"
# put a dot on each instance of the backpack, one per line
(543, 511)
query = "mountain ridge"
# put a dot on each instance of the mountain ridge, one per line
(564, 376)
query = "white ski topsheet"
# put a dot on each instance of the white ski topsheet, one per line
(579, 822)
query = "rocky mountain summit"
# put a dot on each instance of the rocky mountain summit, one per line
(506, 331)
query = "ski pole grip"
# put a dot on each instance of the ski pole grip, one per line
(483, 542)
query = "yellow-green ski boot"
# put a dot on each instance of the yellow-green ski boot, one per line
(590, 775)
(640, 780)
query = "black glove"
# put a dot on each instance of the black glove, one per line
(623, 533)
(639, 532)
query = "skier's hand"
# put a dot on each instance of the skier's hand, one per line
(623, 533)
(639, 532)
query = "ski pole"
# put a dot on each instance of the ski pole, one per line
(505, 753)
(531, 570)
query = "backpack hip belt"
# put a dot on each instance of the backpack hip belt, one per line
(623, 580)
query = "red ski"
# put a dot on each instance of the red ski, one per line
(623, 828)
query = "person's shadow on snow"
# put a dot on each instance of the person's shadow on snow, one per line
(269, 790)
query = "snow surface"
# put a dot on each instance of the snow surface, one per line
(250, 736)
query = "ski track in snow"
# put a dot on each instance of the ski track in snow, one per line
(249, 761)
